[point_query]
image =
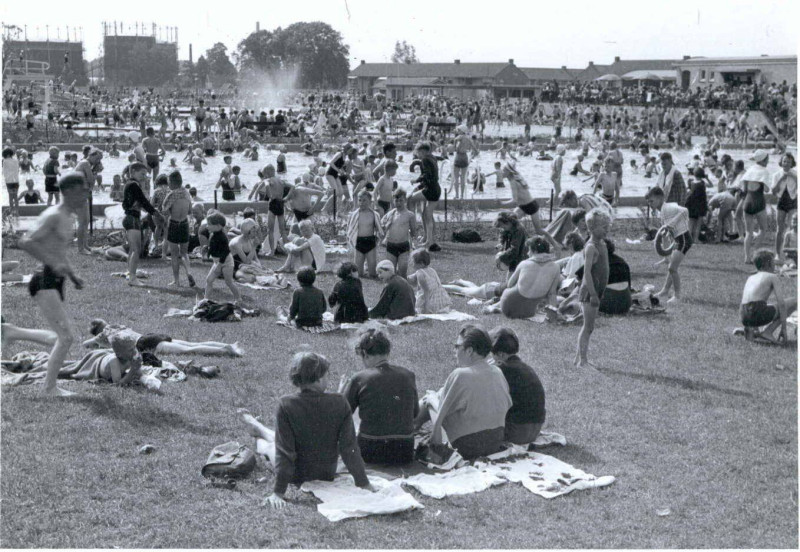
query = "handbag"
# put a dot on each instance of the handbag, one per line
(229, 461)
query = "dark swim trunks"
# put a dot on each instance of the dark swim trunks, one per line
(757, 313)
(683, 243)
(153, 160)
(301, 215)
(51, 184)
(365, 244)
(131, 223)
(397, 249)
(530, 208)
(385, 205)
(149, 342)
(276, 207)
(46, 279)
(178, 231)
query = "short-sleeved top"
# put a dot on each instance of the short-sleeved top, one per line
(11, 171)
(50, 167)
(675, 217)
(526, 390)
(386, 398)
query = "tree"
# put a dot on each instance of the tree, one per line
(308, 54)
(220, 69)
(404, 53)
(202, 71)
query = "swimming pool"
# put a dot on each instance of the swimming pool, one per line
(537, 173)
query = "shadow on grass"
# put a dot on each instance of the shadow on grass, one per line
(140, 415)
(683, 383)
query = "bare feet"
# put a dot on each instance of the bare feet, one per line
(174, 283)
(84, 252)
(254, 427)
(58, 392)
(133, 282)
(235, 349)
(674, 300)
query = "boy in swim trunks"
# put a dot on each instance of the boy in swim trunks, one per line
(152, 151)
(676, 218)
(556, 168)
(385, 187)
(276, 193)
(133, 201)
(300, 198)
(754, 310)
(220, 252)
(428, 189)
(51, 173)
(176, 209)
(48, 242)
(364, 230)
(607, 183)
(400, 226)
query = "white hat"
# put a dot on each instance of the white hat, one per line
(760, 155)
(386, 264)
(134, 136)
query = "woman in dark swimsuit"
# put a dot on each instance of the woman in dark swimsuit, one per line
(754, 206)
(784, 187)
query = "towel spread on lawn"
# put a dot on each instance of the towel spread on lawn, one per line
(268, 282)
(452, 316)
(328, 325)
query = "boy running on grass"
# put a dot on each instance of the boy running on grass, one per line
(400, 226)
(676, 218)
(48, 242)
(754, 310)
(595, 280)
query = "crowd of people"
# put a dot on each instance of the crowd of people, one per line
(493, 396)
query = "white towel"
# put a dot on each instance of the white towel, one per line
(466, 480)
(444, 317)
(26, 278)
(341, 499)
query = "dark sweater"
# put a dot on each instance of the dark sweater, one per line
(311, 430)
(386, 397)
(527, 393)
(308, 304)
(514, 250)
(349, 296)
(134, 200)
(396, 301)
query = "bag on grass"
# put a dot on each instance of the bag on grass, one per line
(229, 461)
(466, 235)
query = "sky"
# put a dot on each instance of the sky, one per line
(534, 34)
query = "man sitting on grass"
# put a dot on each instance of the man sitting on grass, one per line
(754, 310)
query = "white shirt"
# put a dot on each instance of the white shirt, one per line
(11, 170)
(675, 217)
(757, 173)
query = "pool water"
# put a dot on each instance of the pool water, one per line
(537, 173)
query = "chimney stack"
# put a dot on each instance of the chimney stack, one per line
(591, 64)
(563, 67)
(686, 57)
(616, 59)
(258, 26)
(457, 61)
(363, 62)
(511, 61)
(190, 53)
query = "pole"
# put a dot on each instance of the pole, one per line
(445, 209)
(552, 195)
(91, 218)
(215, 200)
(334, 205)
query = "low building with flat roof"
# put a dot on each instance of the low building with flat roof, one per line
(718, 71)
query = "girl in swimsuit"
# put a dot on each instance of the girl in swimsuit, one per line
(784, 187)
(463, 145)
(754, 183)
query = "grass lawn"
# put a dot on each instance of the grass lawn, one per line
(686, 416)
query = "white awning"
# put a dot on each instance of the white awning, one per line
(654, 74)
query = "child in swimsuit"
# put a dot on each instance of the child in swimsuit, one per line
(400, 226)
(276, 192)
(30, 196)
(364, 230)
(51, 173)
(595, 279)
(384, 187)
(676, 218)
(608, 183)
(754, 310)
(219, 251)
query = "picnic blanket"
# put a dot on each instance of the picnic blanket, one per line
(456, 316)
(328, 325)
(26, 279)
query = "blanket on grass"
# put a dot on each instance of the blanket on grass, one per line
(328, 325)
(452, 316)
(268, 282)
